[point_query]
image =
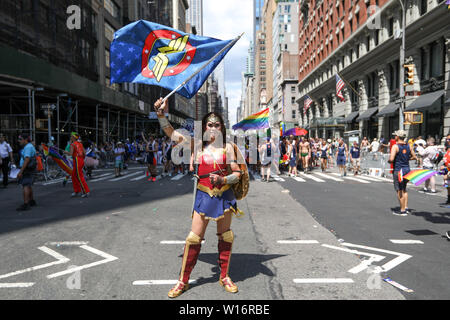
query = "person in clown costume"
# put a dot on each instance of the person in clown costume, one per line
(215, 199)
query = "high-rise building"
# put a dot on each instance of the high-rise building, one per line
(48, 58)
(194, 15)
(360, 42)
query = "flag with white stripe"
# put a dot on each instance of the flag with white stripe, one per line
(339, 86)
(307, 104)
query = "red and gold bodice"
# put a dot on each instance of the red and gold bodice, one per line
(209, 163)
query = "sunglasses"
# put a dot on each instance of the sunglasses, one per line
(213, 125)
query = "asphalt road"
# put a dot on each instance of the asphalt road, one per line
(362, 214)
(126, 241)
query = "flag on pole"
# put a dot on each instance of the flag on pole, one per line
(256, 121)
(153, 54)
(306, 104)
(339, 86)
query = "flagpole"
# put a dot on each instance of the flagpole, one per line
(208, 62)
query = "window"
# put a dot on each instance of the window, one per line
(423, 7)
(293, 114)
(390, 27)
(391, 78)
(424, 64)
(376, 37)
(436, 60)
(292, 100)
(109, 32)
(368, 44)
(293, 89)
(112, 8)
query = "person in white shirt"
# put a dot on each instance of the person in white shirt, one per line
(6, 157)
(427, 154)
(119, 153)
(374, 147)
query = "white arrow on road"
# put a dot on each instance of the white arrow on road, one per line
(107, 258)
(59, 260)
(401, 257)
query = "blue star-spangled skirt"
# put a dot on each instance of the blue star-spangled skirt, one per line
(214, 208)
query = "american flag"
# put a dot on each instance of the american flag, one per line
(339, 86)
(307, 103)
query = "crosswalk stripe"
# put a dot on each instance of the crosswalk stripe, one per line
(178, 176)
(103, 178)
(369, 178)
(125, 176)
(309, 176)
(326, 176)
(351, 178)
(278, 178)
(380, 178)
(139, 178)
(299, 179)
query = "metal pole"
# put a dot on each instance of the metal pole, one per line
(30, 113)
(57, 121)
(107, 132)
(49, 117)
(402, 75)
(34, 116)
(96, 124)
(76, 115)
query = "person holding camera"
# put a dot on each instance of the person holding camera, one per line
(27, 167)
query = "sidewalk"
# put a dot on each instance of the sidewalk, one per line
(276, 217)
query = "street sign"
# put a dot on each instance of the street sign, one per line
(400, 100)
(48, 106)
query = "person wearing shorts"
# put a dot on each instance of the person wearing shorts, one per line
(324, 155)
(119, 153)
(341, 157)
(266, 159)
(401, 154)
(305, 152)
(25, 175)
(355, 157)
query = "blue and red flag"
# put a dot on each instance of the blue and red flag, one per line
(150, 53)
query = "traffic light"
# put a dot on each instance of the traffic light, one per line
(409, 74)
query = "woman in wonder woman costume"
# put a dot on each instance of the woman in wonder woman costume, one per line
(218, 170)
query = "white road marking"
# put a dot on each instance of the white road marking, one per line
(368, 178)
(351, 178)
(125, 176)
(158, 282)
(326, 176)
(178, 177)
(406, 241)
(310, 176)
(398, 285)
(380, 178)
(322, 280)
(277, 178)
(297, 241)
(17, 285)
(59, 260)
(299, 179)
(364, 264)
(108, 258)
(401, 257)
(67, 243)
(103, 178)
(175, 242)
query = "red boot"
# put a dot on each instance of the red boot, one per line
(225, 245)
(190, 255)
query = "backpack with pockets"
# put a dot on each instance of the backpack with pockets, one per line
(31, 167)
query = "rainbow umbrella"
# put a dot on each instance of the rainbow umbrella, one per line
(419, 176)
(296, 132)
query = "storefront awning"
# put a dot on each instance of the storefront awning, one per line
(425, 101)
(367, 114)
(351, 117)
(389, 110)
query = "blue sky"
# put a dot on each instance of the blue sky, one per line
(226, 19)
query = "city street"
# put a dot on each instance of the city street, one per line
(125, 241)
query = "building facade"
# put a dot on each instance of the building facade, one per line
(194, 15)
(50, 58)
(360, 41)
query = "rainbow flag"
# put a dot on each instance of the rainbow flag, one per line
(62, 162)
(256, 121)
(419, 176)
